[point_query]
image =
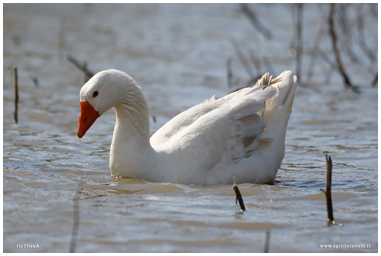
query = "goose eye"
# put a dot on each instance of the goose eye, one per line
(95, 94)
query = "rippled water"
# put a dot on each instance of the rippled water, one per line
(178, 54)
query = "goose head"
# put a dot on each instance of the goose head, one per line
(107, 89)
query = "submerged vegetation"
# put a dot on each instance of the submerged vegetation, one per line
(341, 25)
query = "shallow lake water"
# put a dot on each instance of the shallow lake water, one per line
(178, 54)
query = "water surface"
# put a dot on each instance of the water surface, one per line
(178, 54)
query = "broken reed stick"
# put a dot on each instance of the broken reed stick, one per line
(267, 241)
(327, 191)
(238, 198)
(242, 58)
(34, 80)
(74, 233)
(230, 72)
(253, 18)
(16, 96)
(375, 80)
(82, 67)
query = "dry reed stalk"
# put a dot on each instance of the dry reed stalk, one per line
(332, 32)
(16, 96)
(82, 67)
(299, 48)
(267, 241)
(230, 72)
(254, 20)
(239, 198)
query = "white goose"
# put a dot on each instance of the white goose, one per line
(241, 135)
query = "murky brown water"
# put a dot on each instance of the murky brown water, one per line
(178, 54)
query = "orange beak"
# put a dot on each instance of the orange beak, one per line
(87, 118)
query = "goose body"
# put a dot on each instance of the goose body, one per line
(240, 136)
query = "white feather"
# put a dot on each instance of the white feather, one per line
(240, 135)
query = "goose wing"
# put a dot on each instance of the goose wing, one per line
(217, 130)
